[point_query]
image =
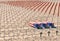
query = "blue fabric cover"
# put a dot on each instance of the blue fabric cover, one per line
(37, 26)
(51, 25)
(43, 25)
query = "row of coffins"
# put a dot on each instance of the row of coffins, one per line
(44, 25)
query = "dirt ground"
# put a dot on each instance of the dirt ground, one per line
(15, 17)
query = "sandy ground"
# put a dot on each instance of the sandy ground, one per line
(15, 16)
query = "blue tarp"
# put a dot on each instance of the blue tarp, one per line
(51, 25)
(43, 25)
(38, 26)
